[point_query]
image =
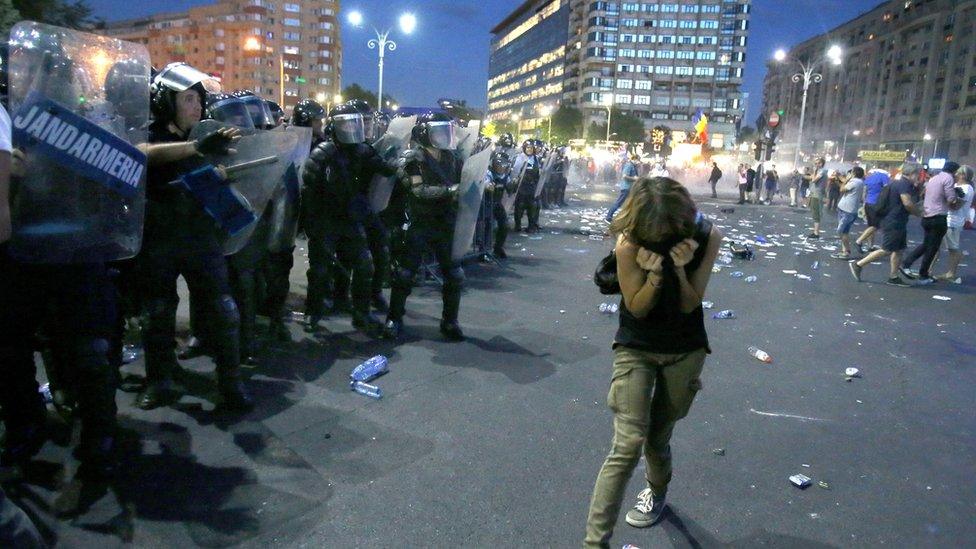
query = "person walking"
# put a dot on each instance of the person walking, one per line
(956, 221)
(628, 175)
(771, 184)
(794, 182)
(714, 178)
(848, 206)
(894, 206)
(743, 183)
(665, 252)
(939, 198)
(875, 181)
(818, 181)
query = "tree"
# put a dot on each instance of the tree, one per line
(70, 14)
(9, 15)
(355, 91)
(623, 127)
(567, 123)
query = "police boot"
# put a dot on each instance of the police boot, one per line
(364, 321)
(233, 393)
(278, 331)
(379, 303)
(159, 389)
(97, 457)
(452, 304)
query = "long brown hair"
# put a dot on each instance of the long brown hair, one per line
(658, 209)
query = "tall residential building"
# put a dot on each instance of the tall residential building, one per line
(908, 71)
(284, 51)
(659, 61)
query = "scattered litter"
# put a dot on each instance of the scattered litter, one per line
(807, 465)
(815, 266)
(800, 481)
(562, 311)
(751, 279)
(609, 308)
(737, 274)
(823, 485)
(724, 315)
(790, 416)
(789, 272)
(535, 238)
(370, 369)
(942, 297)
(707, 304)
(366, 389)
(803, 277)
(852, 372)
(727, 210)
(760, 355)
(719, 451)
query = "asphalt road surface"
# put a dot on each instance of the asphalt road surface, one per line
(496, 442)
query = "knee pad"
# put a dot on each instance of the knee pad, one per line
(227, 313)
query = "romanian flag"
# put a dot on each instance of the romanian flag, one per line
(701, 127)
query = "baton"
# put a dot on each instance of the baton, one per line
(230, 170)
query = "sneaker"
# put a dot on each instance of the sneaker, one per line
(855, 270)
(908, 273)
(897, 281)
(648, 510)
(842, 256)
(874, 249)
(947, 278)
(925, 281)
(860, 247)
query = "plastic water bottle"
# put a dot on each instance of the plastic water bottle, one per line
(737, 274)
(370, 370)
(45, 391)
(761, 240)
(815, 266)
(724, 315)
(604, 307)
(365, 389)
(707, 304)
(751, 279)
(760, 355)
(613, 308)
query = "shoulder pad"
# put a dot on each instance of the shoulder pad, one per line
(324, 152)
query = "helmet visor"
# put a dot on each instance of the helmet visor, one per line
(349, 128)
(259, 111)
(442, 135)
(180, 77)
(231, 111)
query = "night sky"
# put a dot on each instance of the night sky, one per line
(447, 56)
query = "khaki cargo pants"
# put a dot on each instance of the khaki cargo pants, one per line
(649, 393)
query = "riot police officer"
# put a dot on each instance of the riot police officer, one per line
(499, 179)
(336, 212)
(182, 239)
(431, 174)
(527, 170)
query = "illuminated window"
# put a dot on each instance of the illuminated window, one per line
(288, 22)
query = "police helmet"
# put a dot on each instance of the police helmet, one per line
(435, 130)
(306, 111)
(346, 125)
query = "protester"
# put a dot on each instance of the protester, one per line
(750, 184)
(957, 220)
(794, 183)
(848, 206)
(771, 183)
(805, 188)
(876, 181)
(834, 183)
(743, 183)
(939, 198)
(894, 206)
(714, 178)
(818, 181)
(665, 252)
(628, 175)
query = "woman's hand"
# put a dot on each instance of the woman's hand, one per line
(650, 261)
(683, 252)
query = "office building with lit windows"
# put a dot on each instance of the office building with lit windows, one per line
(662, 62)
(906, 82)
(284, 51)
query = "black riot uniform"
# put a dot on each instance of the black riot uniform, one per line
(278, 264)
(336, 212)
(559, 170)
(528, 170)
(431, 175)
(500, 182)
(181, 239)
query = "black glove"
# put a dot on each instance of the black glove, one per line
(213, 143)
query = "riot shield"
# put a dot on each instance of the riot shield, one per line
(394, 141)
(79, 104)
(286, 202)
(471, 192)
(263, 155)
(546, 173)
(467, 141)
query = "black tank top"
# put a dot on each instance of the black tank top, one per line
(666, 329)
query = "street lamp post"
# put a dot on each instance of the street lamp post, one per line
(808, 75)
(608, 103)
(547, 112)
(843, 151)
(382, 43)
